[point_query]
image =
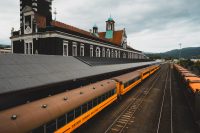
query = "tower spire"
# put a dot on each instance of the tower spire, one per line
(55, 13)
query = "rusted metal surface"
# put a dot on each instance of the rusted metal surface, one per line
(32, 115)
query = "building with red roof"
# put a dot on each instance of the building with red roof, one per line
(39, 34)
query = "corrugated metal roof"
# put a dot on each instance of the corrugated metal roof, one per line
(19, 72)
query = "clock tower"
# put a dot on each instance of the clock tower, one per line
(34, 14)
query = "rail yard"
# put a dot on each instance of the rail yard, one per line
(158, 105)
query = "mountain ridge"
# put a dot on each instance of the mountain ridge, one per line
(187, 53)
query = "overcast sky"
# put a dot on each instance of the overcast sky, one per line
(151, 25)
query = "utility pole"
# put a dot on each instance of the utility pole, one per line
(180, 51)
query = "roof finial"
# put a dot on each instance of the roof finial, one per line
(55, 13)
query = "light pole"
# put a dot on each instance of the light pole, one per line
(180, 51)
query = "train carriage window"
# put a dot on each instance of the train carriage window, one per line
(99, 100)
(103, 97)
(95, 102)
(61, 121)
(84, 108)
(77, 112)
(70, 116)
(114, 91)
(89, 105)
(51, 126)
(38, 130)
(106, 95)
(110, 93)
(125, 85)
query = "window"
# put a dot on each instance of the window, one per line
(124, 55)
(78, 112)
(28, 48)
(82, 50)
(84, 108)
(95, 102)
(74, 49)
(112, 54)
(98, 52)
(61, 121)
(65, 48)
(103, 52)
(70, 116)
(51, 127)
(91, 51)
(116, 54)
(108, 53)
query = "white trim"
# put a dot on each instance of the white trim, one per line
(31, 23)
(74, 46)
(108, 53)
(103, 52)
(82, 48)
(70, 37)
(116, 54)
(98, 52)
(28, 47)
(66, 43)
(91, 51)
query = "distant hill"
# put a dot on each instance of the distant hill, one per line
(187, 53)
(4, 46)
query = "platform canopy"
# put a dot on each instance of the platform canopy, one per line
(19, 72)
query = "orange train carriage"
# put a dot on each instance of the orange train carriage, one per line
(64, 112)
(191, 82)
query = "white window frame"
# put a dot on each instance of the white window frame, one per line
(103, 52)
(124, 55)
(28, 47)
(82, 48)
(108, 53)
(112, 53)
(65, 43)
(31, 13)
(91, 51)
(74, 53)
(98, 52)
(116, 53)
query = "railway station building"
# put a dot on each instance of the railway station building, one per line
(40, 34)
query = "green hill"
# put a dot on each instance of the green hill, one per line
(4, 46)
(187, 53)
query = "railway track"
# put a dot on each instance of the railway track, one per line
(120, 123)
(166, 109)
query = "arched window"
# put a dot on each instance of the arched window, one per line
(112, 54)
(124, 55)
(98, 52)
(82, 53)
(116, 54)
(91, 51)
(74, 49)
(103, 52)
(108, 53)
(65, 48)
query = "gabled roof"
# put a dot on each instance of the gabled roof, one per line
(114, 41)
(117, 36)
(69, 27)
(27, 9)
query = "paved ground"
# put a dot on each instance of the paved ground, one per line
(164, 109)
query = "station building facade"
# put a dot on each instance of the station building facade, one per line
(40, 34)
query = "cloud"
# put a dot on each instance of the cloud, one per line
(151, 25)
